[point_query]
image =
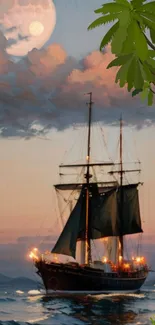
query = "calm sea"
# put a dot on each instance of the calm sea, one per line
(32, 307)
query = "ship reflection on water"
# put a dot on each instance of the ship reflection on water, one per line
(97, 310)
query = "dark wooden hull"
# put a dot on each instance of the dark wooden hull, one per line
(68, 278)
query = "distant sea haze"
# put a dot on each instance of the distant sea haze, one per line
(16, 263)
(19, 282)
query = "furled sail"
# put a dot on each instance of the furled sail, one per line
(104, 217)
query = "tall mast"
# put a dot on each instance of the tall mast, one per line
(88, 176)
(121, 183)
(121, 172)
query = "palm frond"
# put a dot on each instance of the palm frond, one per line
(103, 20)
(151, 53)
(152, 35)
(111, 7)
(141, 47)
(118, 40)
(148, 23)
(107, 38)
(137, 16)
(150, 16)
(124, 2)
(137, 3)
(149, 7)
(120, 60)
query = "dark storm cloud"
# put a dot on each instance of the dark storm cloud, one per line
(47, 90)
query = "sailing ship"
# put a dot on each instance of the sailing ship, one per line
(108, 210)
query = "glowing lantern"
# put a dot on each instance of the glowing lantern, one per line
(56, 258)
(120, 258)
(138, 259)
(126, 266)
(105, 260)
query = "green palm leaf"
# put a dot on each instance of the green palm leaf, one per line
(138, 78)
(137, 3)
(151, 62)
(130, 74)
(151, 53)
(128, 45)
(150, 98)
(129, 42)
(136, 16)
(152, 35)
(146, 73)
(140, 43)
(124, 2)
(107, 38)
(121, 34)
(124, 18)
(148, 15)
(144, 93)
(136, 92)
(111, 7)
(118, 40)
(122, 74)
(122, 59)
(148, 23)
(149, 7)
(103, 20)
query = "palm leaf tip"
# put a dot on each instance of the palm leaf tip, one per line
(108, 36)
(102, 21)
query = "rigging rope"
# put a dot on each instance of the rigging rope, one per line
(68, 199)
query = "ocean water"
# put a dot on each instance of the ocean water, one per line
(19, 307)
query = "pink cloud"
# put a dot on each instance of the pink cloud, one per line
(44, 62)
(47, 85)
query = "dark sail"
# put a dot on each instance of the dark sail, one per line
(66, 243)
(131, 223)
(104, 219)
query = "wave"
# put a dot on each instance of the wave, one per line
(7, 299)
(133, 295)
(37, 320)
(19, 292)
(34, 292)
(11, 322)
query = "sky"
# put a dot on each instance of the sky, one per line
(42, 111)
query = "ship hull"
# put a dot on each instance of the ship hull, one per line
(63, 278)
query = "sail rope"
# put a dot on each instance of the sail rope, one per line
(105, 143)
(60, 215)
(70, 196)
(106, 148)
(74, 144)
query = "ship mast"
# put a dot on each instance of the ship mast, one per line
(88, 176)
(121, 172)
(121, 183)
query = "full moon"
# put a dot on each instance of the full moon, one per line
(27, 24)
(36, 28)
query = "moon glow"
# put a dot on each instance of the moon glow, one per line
(27, 24)
(36, 28)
